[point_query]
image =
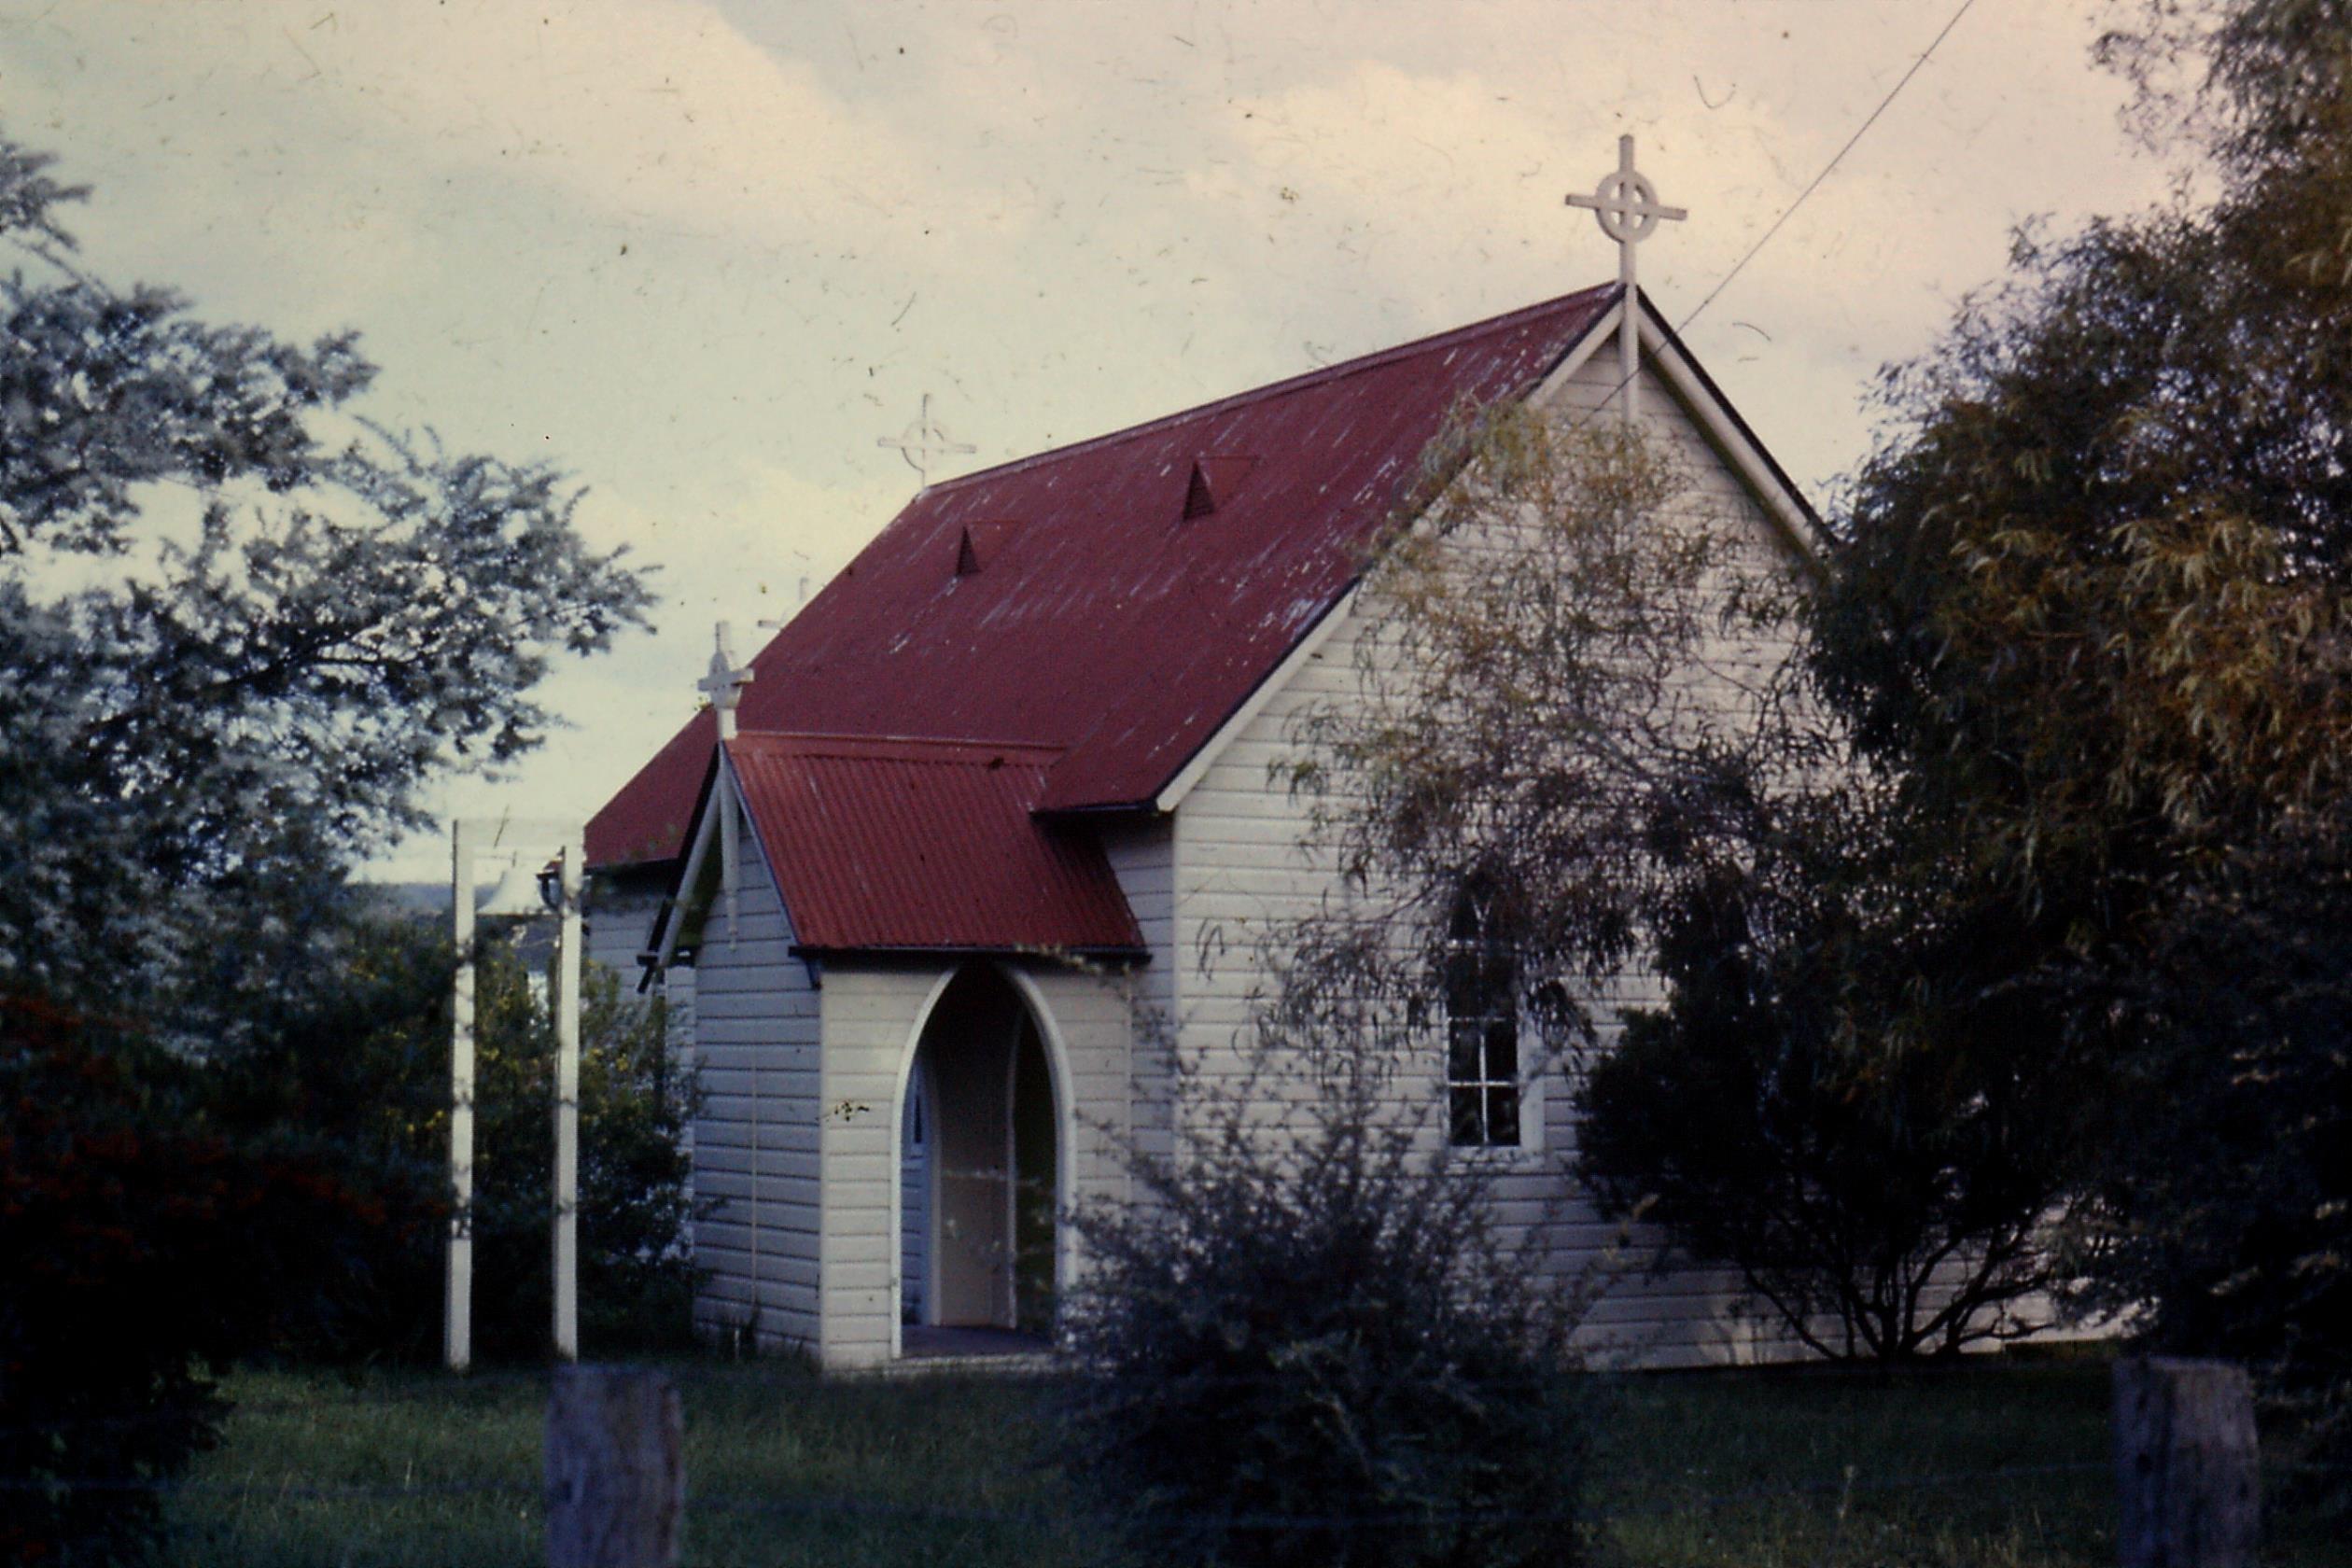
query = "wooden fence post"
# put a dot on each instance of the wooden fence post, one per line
(2187, 1470)
(616, 1469)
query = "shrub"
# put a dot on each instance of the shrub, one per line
(145, 1250)
(351, 1067)
(1315, 1351)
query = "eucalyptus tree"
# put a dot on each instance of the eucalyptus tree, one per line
(2093, 603)
(1583, 754)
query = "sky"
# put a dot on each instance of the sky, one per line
(705, 255)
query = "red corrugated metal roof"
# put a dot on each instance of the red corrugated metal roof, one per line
(884, 844)
(1100, 621)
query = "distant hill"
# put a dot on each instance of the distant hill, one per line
(413, 898)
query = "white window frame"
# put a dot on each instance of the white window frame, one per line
(1526, 1086)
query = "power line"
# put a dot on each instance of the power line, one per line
(1830, 168)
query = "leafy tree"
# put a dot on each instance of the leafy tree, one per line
(2091, 588)
(1531, 681)
(2233, 1196)
(2091, 605)
(1579, 701)
(241, 626)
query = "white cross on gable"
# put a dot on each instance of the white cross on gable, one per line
(1627, 204)
(923, 440)
(724, 683)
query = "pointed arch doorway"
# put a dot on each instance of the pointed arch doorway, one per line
(980, 1168)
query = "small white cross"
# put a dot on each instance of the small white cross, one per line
(1627, 207)
(923, 440)
(724, 683)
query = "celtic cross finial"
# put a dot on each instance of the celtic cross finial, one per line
(923, 440)
(1627, 204)
(724, 683)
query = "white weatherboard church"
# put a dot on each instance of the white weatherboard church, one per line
(1033, 722)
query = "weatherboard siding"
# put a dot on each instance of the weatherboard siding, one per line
(1091, 1017)
(620, 920)
(1244, 870)
(1142, 856)
(754, 1018)
(872, 1013)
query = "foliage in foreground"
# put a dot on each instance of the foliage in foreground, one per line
(2238, 1228)
(1579, 702)
(1824, 1100)
(2095, 605)
(241, 628)
(166, 1218)
(1306, 1343)
(146, 1251)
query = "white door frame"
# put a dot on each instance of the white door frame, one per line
(1065, 1143)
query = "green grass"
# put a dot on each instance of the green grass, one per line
(1832, 1467)
(2001, 1464)
(782, 1468)
(1807, 1469)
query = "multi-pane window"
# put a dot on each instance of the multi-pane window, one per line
(1482, 1086)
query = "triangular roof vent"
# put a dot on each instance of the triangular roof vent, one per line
(1199, 502)
(982, 543)
(1214, 480)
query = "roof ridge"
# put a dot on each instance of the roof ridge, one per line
(815, 740)
(1320, 374)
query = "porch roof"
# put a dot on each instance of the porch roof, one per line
(925, 844)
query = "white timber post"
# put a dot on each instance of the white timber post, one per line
(616, 1469)
(1627, 204)
(515, 896)
(567, 1229)
(458, 1299)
